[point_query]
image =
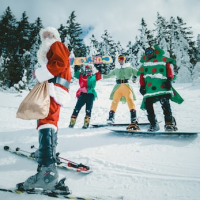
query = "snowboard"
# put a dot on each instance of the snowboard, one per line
(98, 125)
(143, 132)
(91, 60)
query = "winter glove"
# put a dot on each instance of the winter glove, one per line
(99, 68)
(168, 83)
(142, 90)
(134, 78)
(76, 68)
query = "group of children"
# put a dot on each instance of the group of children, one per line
(155, 78)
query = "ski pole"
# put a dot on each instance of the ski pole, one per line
(18, 149)
(57, 154)
(71, 162)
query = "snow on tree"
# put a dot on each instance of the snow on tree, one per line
(146, 37)
(130, 56)
(22, 84)
(198, 47)
(180, 49)
(95, 44)
(92, 50)
(162, 34)
(196, 74)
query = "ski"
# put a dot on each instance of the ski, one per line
(45, 193)
(64, 164)
(142, 132)
(98, 125)
(57, 195)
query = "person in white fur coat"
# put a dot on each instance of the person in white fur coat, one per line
(53, 56)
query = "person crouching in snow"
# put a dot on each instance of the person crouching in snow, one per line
(53, 56)
(156, 77)
(123, 91)
(86, 94)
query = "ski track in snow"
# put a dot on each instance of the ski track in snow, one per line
(135, 167)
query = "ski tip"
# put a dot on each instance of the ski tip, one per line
(6, 148)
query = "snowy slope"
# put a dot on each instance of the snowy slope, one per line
(135, 167)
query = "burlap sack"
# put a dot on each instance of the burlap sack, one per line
(36, 103)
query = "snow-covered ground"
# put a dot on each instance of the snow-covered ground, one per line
(135, 167)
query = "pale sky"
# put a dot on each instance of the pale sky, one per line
(121, 18)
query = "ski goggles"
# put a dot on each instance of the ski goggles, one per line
(149, 51)
(88, 70)
(121, 58)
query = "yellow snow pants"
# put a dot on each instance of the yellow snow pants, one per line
(125, 91)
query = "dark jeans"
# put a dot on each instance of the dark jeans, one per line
(165, 104)
(84, 99)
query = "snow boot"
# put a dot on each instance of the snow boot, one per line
(171, 125)
(86, 122)
(47, 176)
(72, 121)
(134, 124)
(111, 118)
(154, 126)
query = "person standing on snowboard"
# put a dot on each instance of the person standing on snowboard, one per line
(86, 94)
(156, 77)
(53, 56)
(123, 91)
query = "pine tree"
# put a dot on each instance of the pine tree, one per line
(196, 70)
(75, 41)
(93, 48)
(36, 27)
(130, 56)
(63, 32)
(198, 47)
(23, 34)
(11, 66)
(105, 45)
(188, 36)
(179, 47)
(180, 50)
(7, 32)
(146, 37)
(162, 34)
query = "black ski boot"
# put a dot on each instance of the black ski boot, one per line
(134, 124)
(171, 125)
(47, 176)
(111, 118)
(154, 126)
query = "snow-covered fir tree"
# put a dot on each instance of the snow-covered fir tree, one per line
(196, 74)
(94, 43)
(180, 49)
(130, 56)
(105, 45)
(162, 34)
(198, 47)
(145, 37)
